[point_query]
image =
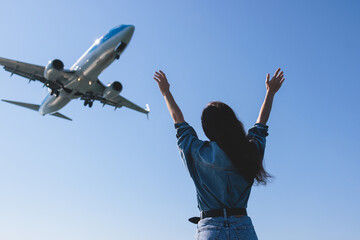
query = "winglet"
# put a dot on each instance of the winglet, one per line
(147, 109)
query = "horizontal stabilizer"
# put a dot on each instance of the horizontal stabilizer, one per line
(57, 114)
(34, 107)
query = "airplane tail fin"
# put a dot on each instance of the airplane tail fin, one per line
(35, 107)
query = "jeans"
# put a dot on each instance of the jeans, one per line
(230, 228)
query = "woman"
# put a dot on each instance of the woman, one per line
(224, 169)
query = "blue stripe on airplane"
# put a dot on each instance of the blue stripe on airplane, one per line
(109, 35)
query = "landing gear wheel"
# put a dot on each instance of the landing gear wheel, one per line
(57, 93)
(52, 92)
(86, 103)
(90, 104)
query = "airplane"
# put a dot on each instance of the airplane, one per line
(81, 80)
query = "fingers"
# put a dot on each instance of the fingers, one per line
(158, 75)
(156, 79)
(267, 78)
(277, 72)
(162, 73)
(278, 76)
(281, 76)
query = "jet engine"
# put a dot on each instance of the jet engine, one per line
(112, 90)
(53, 70)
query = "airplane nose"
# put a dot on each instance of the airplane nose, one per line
(127, 33)
(130, 29)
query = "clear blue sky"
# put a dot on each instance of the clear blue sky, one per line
(115, 175)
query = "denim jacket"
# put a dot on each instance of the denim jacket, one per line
(218, 184)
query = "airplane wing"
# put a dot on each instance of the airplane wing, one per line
(31, 71)
(120, 101)
(117, 101)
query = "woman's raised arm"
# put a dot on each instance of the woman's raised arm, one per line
(164, 86)
(272, 86)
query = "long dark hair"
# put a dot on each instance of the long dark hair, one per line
(221, 125)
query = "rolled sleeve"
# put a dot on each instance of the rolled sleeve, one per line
(257, 135)
(187, 142)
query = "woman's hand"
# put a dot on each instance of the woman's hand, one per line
(162, 81)
(273, 85)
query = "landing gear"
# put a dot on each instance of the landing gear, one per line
(88, 102)
(56, 92)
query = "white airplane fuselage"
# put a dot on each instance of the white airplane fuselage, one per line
(88, 67)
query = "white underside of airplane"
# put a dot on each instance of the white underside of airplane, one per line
(81, 80)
